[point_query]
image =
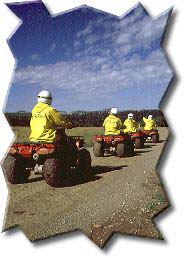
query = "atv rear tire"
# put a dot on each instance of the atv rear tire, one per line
(98, 149)
(129, 151)
(139, 143)
(84, 162)
(52, 172)
(15, 170)
(120, 152)
(125, 149)
(155, 138)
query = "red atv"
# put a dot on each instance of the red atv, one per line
(138, 138)
(152, 135)
(119, 145)
(52, 160)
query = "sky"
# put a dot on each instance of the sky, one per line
(88, 59)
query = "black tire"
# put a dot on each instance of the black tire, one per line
(15, 170)
(142, 142)
(129, 148)
(139, 143)
(84, 162)
(98, 149)
(120, 151)
(53, 169)
(155, 138)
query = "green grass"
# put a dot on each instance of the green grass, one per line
(86, 132)
(22, 133)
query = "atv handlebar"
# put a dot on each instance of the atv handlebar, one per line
(69, 125)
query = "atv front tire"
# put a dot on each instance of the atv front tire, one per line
(15, 170)
(98, 149)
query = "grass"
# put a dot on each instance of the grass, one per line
(22, 133)
(87, 133)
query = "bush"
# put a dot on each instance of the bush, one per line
(89, 119)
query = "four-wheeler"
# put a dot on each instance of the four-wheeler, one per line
(52, 160)
(120, 145)
(152, 135)
(138, 138)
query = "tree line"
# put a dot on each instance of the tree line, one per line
(91, 118)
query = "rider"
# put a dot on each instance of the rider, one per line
(112, 123)
(45, 120)
(149, 123)
(130, 124)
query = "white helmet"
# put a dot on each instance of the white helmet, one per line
(45, 96)
(114, 111)
(150, 117)
(130, 115)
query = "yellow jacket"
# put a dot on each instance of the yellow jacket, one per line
(131, 126)
(149, 123)
(44, 121)
(112, 125)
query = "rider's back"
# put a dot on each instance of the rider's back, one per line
(43, 123)
(112, 125)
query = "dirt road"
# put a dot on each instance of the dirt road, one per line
(123, 195)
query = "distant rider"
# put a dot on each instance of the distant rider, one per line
(130, 124)
(149, 123)
(112, 123)
(45, 120)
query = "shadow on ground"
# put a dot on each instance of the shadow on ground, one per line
(105, 169)
(76, 179)
(149, 146)
(140, 152)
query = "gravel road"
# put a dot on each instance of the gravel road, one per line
(122, 196)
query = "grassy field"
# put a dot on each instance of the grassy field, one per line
(22, 133)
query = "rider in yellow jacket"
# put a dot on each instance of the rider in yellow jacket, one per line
(45, 120)
(130, 124)
(149, 123)
(112, 123)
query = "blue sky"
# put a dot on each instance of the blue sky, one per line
(89, 59)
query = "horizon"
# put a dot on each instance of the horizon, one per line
(91, 111)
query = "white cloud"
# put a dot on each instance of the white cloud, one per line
(91, 39)
(52, 48)
(91, 76)
(134, 31)
(96, 69)
(35, 57)
(85, 32)
(123, 38)
(152, 29)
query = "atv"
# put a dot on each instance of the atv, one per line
(138, 139)
(120, 145)
(52, 160)
(151, 135)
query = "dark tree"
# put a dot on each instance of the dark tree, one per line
(89, 119)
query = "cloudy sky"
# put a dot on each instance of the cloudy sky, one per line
(89, 59)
